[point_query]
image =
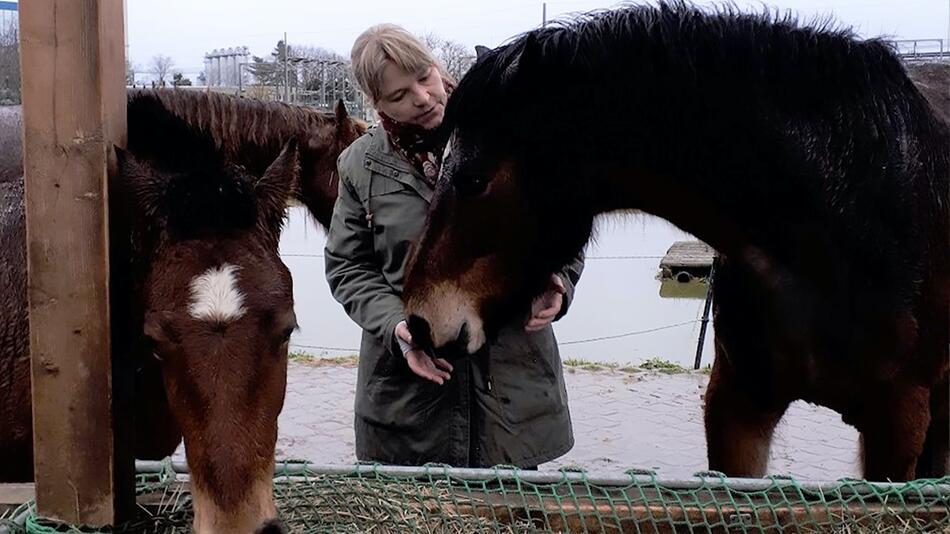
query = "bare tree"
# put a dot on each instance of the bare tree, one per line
(130, 70)
(161, 68)
(432, 41)
(9, 65)
(455, 57)
(324, 72)
(315, 53)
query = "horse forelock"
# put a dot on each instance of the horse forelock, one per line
(208, 201)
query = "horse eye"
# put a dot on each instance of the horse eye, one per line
(285, 335)
(471, 185)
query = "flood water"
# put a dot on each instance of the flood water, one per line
(618, 314)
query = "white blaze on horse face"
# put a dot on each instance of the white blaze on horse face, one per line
(215, 296)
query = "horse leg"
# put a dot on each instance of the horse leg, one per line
(934, 461)
(738, 427)
(893, 430)
(16, 411)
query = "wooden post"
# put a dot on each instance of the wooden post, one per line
(702, 328)
(73, 78)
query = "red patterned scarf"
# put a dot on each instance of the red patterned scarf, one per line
(422, 148)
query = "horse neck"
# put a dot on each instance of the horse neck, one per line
(737, 165)
(707, 210)
(318, 194)
(257, 148)
(252, 133)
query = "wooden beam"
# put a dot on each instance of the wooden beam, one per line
(73, 86)
(15, 494)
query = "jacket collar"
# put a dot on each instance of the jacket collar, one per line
(382, 159)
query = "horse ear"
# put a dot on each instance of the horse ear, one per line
(342, 119)
(481, 51)
(275, 187)
(342, 116)
(528, 61)
(138, 180)
(530, 54)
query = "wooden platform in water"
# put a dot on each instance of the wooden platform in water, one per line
(686, 260)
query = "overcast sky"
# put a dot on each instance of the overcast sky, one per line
(187, 29)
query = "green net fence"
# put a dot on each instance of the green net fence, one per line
(438, 499)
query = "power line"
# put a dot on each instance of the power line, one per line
(623, 258)
(574, 342)
(627, 334)
(586, 258)
(318, 347)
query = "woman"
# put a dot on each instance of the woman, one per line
(504, 405)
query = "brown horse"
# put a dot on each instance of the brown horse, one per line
(806, 157)
(208, 311)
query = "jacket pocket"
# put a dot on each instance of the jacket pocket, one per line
(396, 398)
(526, 375)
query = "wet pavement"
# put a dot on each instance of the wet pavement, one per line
(645, 420)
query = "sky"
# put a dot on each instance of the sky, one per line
(186, 29)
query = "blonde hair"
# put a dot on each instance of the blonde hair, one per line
(388, 42)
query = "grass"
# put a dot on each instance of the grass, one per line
(663, 366)
(348, 360)
(653, 364)
(658, 365)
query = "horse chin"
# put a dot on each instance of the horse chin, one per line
(468, 339)
(444, 316)
(472, 336)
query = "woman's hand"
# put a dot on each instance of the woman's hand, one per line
(434, 369)
(423, 365)
(546, 307)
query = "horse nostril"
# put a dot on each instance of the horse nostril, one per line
(462, 340)
(271, 526)
(420, 330)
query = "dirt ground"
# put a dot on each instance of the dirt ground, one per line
(622, 420)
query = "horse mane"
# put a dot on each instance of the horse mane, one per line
(225, 123)
(701, 47)
(738, 106)
(683, 84)
(933, 79)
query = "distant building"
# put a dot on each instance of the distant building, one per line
(223, 66)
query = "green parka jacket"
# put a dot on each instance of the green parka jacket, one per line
(504, 405)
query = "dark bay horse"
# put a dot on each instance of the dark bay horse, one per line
(806, 157)
(247, 132)
(200, 196)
